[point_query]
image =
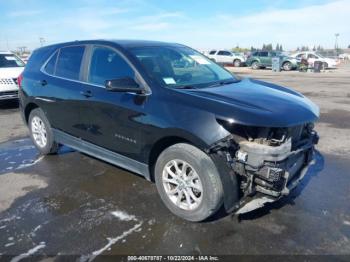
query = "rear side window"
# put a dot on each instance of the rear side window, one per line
(264, 54)
(224, 53)
(69, 62)
(50, 66)
(212, 52)
(106, 64)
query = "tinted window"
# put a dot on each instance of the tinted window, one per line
(212, 52)
(224, 53)
(255, 54)
(312, 56)
(50, 66)
(263, 53)
(300, 56)
(10, 60)
(106, 64)
(69, 61)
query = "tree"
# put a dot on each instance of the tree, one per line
(269, 47)
(277, 47)
(348, 46)
(264, 47)
(281, 48)
(314, 48)
(298, 49)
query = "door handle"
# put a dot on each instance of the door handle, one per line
(87, 93)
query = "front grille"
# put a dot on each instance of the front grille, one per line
(8, 81)
(9, 93)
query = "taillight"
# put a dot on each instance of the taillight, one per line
(19, 81)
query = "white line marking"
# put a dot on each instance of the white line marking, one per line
(123, 216)
(111, 241)
(29, 253)
(30, 164)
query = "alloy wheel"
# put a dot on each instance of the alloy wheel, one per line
(39, 131)
(182, 184)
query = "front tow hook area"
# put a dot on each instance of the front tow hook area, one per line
(249, 204)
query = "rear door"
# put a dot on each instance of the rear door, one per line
(264, 58)
(60, 89)
(224, 57)
(110, 118)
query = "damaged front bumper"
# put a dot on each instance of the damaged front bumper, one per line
(264, 163)
(271, 172)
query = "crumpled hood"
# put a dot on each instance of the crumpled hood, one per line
(10, 72)
(257, 103)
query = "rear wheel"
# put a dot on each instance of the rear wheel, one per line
(188, 182)
(41, 132)
(255, 65)
(237, 63)
(287, 66)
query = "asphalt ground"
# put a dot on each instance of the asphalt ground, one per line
(73, 204)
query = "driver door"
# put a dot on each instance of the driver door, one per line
(110, 118)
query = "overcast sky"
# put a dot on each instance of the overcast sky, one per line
(200, 24)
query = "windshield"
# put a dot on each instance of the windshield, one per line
(10, 60)
(181, 67)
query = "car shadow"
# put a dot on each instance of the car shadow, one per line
(9, 104)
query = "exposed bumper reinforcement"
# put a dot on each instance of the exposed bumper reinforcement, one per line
(247, 205)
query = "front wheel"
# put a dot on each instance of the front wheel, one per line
(41, 132)
(188, 182)
(255, 65)
(237, 63)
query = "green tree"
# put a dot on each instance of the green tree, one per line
(269, 47)
(277, 47)
(281, 48)
(314, 48)
(348, 46)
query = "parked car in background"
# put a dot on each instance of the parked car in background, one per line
(204, 136)
(312, 57)
(11, 66)
(227, 57)
(262, 59)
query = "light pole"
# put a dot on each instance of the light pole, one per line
(42, 41)
(336, 43)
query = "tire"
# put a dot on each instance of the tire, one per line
(255, 65)
(41, 132)
(237, 63)
(200, 165)
(287, 66)
(325, 66)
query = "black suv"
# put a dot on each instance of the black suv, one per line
(204, 136)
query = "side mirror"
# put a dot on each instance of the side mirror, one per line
(125, 84)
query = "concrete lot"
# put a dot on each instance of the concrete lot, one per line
(74, 204)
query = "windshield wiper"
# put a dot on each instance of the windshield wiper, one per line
(221, 83)
(185, 87)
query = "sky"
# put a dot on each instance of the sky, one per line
(201, 24)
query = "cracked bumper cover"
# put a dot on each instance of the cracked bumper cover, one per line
(272, 172)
